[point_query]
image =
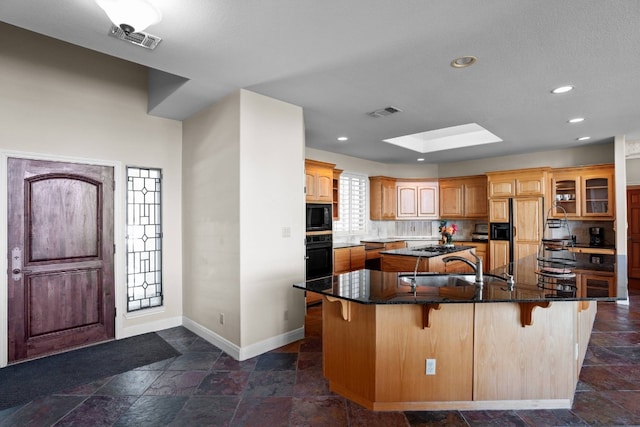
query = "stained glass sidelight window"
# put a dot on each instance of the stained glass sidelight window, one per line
(144, 238)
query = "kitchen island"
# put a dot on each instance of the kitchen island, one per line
(426, 258)
(405, 341)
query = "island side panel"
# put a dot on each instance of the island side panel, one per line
(403, 346)
(586, 317)
(348, 350)
(536, 362)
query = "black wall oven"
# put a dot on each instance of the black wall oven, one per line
(319, 255)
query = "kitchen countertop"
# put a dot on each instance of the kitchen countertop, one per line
(346, 245)
(384, 240)
(427, 251)
(379, 287)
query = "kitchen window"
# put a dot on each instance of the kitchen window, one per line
(352, 204)
(144, 238)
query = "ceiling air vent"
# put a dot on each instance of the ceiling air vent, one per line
(140, 39)
(384, 112)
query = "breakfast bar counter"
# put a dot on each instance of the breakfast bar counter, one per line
(425, 341)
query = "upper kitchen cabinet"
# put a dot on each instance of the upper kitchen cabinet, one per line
(417, 199)
(319, 181)
(521, 182)
(565, 191)
(597, 193)
(336, 193)
(382, 198)
(584, 192)
(463, 197)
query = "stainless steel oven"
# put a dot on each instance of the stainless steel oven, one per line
(319, 255)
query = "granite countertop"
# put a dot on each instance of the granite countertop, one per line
(346, 245)
(379, 287)
(384, 240)
(427, 251)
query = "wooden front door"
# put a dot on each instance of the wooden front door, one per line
(633, 232)
(60, 266)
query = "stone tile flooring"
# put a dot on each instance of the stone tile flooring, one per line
(285, 387)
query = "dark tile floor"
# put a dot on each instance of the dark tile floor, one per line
(285, 387)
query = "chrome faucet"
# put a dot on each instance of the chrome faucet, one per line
(477, 267)
(414, 283)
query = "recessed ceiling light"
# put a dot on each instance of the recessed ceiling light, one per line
(421, 159)
(343, 138)
(562, 89)
(576, 120)
(583, 138)
(463, 61)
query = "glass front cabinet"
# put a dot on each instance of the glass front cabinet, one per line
(585, 192)
(597, 195)
(566, 195)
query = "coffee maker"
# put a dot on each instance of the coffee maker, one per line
(596, 236)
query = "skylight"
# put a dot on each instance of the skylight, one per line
(449, 138)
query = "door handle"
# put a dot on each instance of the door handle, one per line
(16, 265)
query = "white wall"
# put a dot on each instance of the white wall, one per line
(211, 231)
(369, 168)
(244, 177)
(633, 171)
(586, 155)
(62, 101)
(272, 217)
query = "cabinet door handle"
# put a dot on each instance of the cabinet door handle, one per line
(514, 231)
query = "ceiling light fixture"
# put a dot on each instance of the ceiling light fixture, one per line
(563, 89)
(343, 138)
(132, 16)
(583, 138)
(576, 120)
(463, 61)
(421, 159)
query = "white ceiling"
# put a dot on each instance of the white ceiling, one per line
(340, 59)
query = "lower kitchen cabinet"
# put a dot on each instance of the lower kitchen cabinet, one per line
(499, 250)
(348, 259)
(593, 283)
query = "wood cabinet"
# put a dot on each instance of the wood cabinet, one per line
(565, 191)
(499, 258)
(584, 192)
(593, 283)
(520, 182)
(597, 193)
(417, 200)
(336, 194)
(348, 259)
(499, 210)
(382, 198)
(480, 250)
(318, 181)
(463, 197)
(400, 263)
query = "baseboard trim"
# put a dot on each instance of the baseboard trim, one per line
(243, 353)
(153, 326)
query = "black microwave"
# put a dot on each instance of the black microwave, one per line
(318, 217)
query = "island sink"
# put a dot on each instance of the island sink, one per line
(444, 280)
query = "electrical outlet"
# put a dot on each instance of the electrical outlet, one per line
(430, 367)
(222, 318)
(286, 231)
